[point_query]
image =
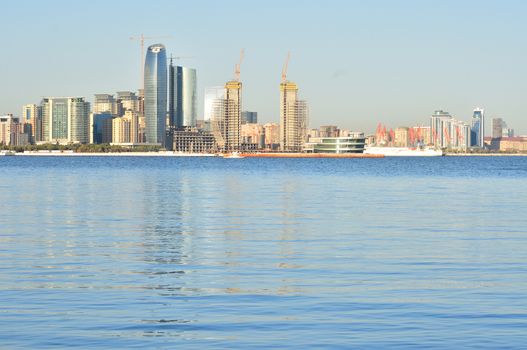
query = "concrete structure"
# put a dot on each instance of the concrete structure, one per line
(155, 94)
(182, 96)
(192, 140)
(32, 117)
(293, 118)
(447, 132)
(65, 120)
(249, 117)
(125, 129)
(477, 132)
(226, 118)
(354, 143)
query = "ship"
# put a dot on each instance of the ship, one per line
(404, 151)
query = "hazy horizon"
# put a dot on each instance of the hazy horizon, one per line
(356, 63)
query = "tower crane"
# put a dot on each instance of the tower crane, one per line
(142, 39)
(286, 64)
(238, 66)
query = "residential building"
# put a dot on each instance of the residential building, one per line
(11, 131)
(155, 102)
(272, 136)
(329, 131)
(125, 129)
(401, 138)
(32, 117)
(293, 118)
(253, 134)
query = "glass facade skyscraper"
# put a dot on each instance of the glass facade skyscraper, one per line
(477, 133)
(155, 94)
(182, 99)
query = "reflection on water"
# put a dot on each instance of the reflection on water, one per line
(118, 253)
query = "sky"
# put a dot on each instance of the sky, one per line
(357, 63)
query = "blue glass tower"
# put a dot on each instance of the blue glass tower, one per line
(155, 94)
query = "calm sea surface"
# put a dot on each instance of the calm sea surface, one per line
(263, 253)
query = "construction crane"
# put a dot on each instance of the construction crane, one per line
(284, 69)
(238, 66)
(142, 39)
(178, 58)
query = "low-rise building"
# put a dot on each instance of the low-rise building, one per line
(354, 143)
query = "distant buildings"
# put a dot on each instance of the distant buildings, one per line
(11, 131)
(500, 129)
(32, 116)
(155, 94)
(65, 120)
(447, 132)
(182, 96)
(477, 131)
(293, 118)
(101, 128)
(104, 103)
(249, 117)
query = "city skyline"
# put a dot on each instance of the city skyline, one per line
(364, 64)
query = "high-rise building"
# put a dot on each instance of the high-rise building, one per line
(12, 131)
(101, 128)
(226, 117)
(477, 133)
(65, 120)
(447, 132)
(127, 101)
(500, 129)
(182, 96)
(155, 103)
(32, 116)
(249, 117)
(212, 94)
(293, 118)
(104, 103)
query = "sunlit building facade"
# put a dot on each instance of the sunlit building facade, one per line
(182, 97)
(155, 93)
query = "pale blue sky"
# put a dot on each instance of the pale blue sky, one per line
(356, 62)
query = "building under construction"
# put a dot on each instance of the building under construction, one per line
(226, 114)
(293, 116)
(192, 140)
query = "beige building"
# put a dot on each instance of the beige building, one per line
(11, 132)
(422, 134)
(125, 129)
(31, 116)
(507, 144)
(293, 118)
(253, 133)
(272, 135)
(401, 137)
